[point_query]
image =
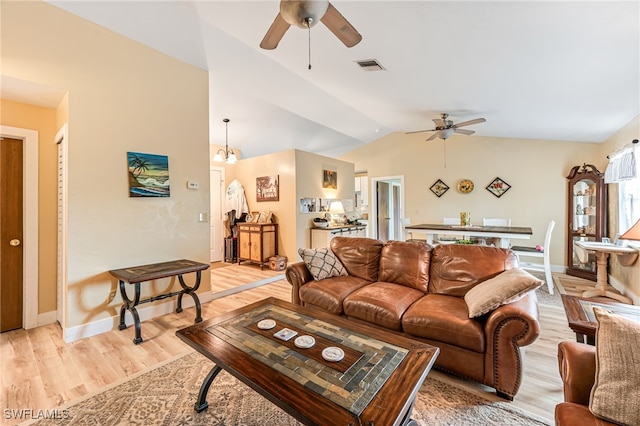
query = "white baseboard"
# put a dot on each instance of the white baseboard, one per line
(47, 318)
(153, 310)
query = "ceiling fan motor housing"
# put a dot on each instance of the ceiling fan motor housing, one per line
(303, 14)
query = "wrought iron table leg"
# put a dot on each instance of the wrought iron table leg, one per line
(191, 291)
(130, 305)
(202, 403)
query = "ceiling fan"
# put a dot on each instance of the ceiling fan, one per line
(305, 14)
(445, 128)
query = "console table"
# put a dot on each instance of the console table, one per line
(138, 274)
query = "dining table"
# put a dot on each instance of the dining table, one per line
(503, 233)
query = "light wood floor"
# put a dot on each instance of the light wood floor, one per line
(39, 371)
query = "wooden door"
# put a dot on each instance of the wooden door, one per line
(11, 249)
(383, 211)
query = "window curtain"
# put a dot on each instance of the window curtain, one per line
(622, 165)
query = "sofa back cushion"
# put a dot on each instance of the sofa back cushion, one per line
(360, 256)
(457, 268)
(406, 263)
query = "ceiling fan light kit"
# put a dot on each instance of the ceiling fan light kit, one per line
(303, 14)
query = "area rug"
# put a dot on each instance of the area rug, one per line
(542, 292)
(166, 396)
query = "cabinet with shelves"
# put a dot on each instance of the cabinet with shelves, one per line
(321, 237)
(587, 218)
(257, 242)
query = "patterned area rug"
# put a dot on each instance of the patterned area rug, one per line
(542, 292)
(166, 396)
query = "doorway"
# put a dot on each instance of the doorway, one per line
(388, 207)
(29, 242)
(217, 189)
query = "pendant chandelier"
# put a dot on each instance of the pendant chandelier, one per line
(225, 155)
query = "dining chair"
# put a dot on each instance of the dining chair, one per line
(408, 234)
(495, 221)
(525, 251)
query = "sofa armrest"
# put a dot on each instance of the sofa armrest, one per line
(577, 365)
(507, 329)
(298, 275)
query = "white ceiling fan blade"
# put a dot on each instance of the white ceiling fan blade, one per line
(470, 122)
(435, 135)
(463, 131)
(274, 33)
(340, 27)
(420, 131)
(439, 122)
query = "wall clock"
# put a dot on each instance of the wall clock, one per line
(465, 186)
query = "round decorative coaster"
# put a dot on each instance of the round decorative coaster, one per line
(305, 341)
(332, 354)
(266, 324)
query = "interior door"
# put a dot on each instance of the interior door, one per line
(383, 213)
(11, 237)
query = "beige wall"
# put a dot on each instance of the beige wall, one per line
(300, 175)
(43, 120)
(123, 97)
(535, 169)
(629, 275)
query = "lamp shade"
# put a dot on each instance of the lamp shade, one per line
(336, 207)
(632, 233)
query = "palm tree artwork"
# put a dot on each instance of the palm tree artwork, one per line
(148, 175)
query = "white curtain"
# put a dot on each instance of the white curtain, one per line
(622, 165)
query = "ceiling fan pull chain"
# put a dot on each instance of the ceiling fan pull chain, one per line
(309, 29)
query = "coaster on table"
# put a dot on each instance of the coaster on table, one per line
(266, 324)
(305, 341)
(333, 354)
(285, 334)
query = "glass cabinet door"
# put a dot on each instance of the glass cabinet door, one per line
(586, 218)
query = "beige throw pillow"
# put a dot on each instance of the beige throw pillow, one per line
(322, 263)
(504, 288)
(615, 395)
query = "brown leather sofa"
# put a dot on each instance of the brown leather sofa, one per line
(577, 364)
(418, 290)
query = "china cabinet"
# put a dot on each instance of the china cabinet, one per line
(587, 218)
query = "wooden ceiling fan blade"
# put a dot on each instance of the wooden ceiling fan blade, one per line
(463, 131)
(470, 122)
(435, 135)
(275, 33)
(340, 27)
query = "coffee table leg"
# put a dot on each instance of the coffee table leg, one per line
(192, 292)
(202, 403)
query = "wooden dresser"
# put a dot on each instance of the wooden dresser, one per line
(257, 242)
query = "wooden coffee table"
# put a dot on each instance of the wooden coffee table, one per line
(375, 383)
(581, 319)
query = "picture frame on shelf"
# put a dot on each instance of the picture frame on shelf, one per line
(498, 187)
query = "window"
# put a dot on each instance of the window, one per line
(629, 208)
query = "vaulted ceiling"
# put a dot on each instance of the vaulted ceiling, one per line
(565, 71)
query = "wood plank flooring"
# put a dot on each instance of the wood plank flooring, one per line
(39, 371)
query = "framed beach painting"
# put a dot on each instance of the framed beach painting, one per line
(148, 175)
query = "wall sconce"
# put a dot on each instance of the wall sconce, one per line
(227, 155)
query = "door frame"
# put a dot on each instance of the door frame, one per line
(373, 201)
(61, 253)
(30, 221)
(220, 219)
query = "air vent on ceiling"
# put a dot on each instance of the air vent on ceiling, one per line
(370, 65)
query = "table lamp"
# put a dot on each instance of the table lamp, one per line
(632, 233)
(336, 209)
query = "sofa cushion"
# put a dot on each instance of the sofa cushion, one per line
(322, 263)
(405, 263)
(360, 256)
(456, 268)
(381, 303)
(504, 288)
(615, 395)
(329, 293)
(444, 319)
